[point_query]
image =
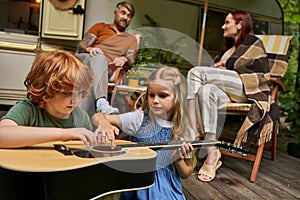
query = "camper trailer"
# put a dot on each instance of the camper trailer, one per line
(30, 26)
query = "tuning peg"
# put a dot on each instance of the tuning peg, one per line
(233, 150)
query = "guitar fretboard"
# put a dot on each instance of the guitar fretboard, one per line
(196, 144)
(169, 145)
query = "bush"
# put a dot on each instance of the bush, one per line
(291, 101)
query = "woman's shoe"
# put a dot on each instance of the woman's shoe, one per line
(209, 171)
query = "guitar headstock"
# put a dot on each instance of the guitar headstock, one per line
(232, 148)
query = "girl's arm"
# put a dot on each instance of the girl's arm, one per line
(184, 166)
(112, 119)
(14, 136)
(108, 125)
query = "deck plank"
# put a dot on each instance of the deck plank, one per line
(271, 183)
(244, 182)
(200, 190)
(278, 180)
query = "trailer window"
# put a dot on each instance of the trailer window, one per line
(261, 27)
(213, 41)
(20, 16)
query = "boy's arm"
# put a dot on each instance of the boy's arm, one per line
(14, 136)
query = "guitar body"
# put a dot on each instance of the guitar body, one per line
(40, 172)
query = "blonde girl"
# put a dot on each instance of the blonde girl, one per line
(162, 118)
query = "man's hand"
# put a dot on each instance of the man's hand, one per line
(119, 61)
(94, 51)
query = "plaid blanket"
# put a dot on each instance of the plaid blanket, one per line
(250, 60)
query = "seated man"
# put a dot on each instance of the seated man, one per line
(104, 48)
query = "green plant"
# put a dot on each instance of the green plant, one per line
(135, 74)
(291, 97)
(152, 56)
(291, 101)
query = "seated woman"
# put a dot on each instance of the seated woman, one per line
(237, 75)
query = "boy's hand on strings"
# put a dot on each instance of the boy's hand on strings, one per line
(86, 136)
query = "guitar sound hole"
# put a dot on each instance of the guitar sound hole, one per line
(83, 154)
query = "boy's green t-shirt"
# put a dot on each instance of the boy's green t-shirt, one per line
(26, 113)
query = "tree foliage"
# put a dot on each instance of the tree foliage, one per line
(291, 97)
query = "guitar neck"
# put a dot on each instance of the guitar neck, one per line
(196, 144)
(169, 145)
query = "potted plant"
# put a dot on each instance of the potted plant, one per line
(134, 76)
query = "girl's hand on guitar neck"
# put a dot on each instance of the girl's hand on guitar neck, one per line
(184, 150)
(183, 165)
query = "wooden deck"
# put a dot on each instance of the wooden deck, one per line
(279, 179)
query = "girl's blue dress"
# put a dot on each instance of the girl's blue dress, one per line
(167, 183)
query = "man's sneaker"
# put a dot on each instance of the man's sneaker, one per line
(104, 107)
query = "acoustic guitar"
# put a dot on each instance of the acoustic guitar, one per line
(68, 171)
(40, 172)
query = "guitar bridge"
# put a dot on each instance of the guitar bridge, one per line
(63, 149)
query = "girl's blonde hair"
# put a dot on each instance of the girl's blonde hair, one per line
(53, 72)
(177, 83)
